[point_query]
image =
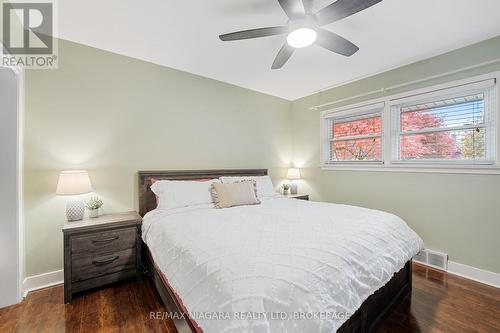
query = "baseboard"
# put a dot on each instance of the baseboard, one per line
(42, 281)
(473, 273)
(490, 278)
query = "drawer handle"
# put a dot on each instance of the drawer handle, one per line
(105, 240)
(105, 261)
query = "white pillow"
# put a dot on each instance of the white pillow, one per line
(265, 187)
(178, 193)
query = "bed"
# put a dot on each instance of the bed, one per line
(280, 258)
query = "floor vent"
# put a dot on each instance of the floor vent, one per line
(432, 258)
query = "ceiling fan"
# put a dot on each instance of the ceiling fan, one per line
(304, 28)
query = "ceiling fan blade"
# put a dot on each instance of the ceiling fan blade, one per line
(335, 43)
(283, 55)
(308, 6)
(254, 33)
(293, 8)
(341, 9)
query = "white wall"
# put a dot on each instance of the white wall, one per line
(9, 237)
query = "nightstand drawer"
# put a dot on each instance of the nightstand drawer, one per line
(98, 265)
(106, 241)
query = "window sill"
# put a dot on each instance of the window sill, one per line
(458, 169)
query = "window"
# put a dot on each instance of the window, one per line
(447, 127)
(355, 135)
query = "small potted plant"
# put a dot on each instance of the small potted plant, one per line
(93, 205)
(286, 188)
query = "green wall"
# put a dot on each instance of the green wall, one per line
(455, 213)
(113, 115)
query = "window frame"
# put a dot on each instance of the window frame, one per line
(484, 87)
(359, 111)
(391, 131)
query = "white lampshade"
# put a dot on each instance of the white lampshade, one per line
(73, 183)
(293, 173)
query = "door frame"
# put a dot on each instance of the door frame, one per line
(20, 255)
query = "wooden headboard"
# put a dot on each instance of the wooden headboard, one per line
(147, 199)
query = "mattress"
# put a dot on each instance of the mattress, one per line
(282, 266)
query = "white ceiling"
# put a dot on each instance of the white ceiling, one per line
(184, 35)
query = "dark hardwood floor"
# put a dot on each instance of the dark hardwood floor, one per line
(440, 302)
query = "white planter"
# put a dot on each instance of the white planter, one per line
(93, 213)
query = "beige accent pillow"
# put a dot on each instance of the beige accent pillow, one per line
(234, 194)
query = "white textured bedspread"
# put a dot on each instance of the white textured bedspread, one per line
(283, 266)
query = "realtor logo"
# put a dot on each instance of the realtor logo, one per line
(27, 28)
(27, 35)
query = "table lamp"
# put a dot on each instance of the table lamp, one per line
(74, 183)
(293, 174)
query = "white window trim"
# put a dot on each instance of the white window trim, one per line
(484, 86)
(389, 163)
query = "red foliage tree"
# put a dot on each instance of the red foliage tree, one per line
(358, 149)
(437, 145)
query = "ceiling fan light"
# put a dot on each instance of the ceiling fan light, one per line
(302, 37)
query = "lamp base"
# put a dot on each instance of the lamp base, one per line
(293, 188)
(75, 210)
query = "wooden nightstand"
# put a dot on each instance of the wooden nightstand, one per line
(100, 251)
(298, 196)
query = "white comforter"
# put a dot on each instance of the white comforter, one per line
(283, 266)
